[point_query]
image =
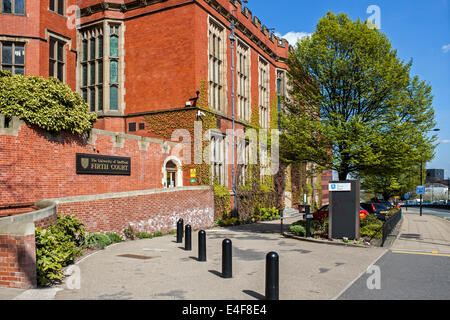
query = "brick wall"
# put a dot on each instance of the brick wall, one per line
(157, 210)
(34, 166)
(17, 261)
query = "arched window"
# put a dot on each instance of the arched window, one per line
(171, 174)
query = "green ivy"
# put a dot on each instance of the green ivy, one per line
(47, 103)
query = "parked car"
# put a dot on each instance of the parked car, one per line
(385, 202)
(322, 213)
(376, 208)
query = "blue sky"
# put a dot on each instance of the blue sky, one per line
(418, 29)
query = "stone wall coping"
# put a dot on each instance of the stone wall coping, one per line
(23, 224)
(125, 194)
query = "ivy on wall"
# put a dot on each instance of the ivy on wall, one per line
(47, 103)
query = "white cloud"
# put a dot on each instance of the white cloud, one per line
(443, 141)
(446, 48)
(292, 37)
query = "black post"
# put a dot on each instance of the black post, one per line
(180, 231)
(272, 276)
(421, 179)
(188, 239)
(226, 259)
(308, 221)
(202, 245)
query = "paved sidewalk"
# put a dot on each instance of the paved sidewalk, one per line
(160, 268)
(424, 233)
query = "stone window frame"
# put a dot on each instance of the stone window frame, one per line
(13, 42)
(218, 165)
(83, 34)
(264, 92)
(56, 8)
(243, 158)
(179, 172)
(217, 30)
(281, 77)
(13, 7)
(243, 81)
(56, 60)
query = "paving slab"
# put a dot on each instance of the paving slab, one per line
(160, 268)
(426, 233)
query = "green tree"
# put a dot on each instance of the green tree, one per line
(352, 93)
(47, 103)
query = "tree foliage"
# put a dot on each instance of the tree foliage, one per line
(47, 103)
(352, 93)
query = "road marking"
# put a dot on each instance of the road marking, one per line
(433, 253)
(360, 275)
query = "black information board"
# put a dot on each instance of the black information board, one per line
(101, 164)
(344, 209)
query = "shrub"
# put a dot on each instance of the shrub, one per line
(129, 233)
(97, 240)
(173, 232)
(269, 214)
(370, 219)
(55, 249)
(47, 103)
(72, 227)
(114, 237)
(143, 235)
(158, 234)
(372, 230)
(298, 230)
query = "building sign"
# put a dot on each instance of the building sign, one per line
(99, 164)
(193, 173)
(339, 187)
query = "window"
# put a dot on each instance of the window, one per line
(243, 82)
(13, 6)
(57, 59)
(57, 6)
(114, 67)
(141, 126)
(92, 68)
(217, 46)
(264, 93)
(243, 159)
(132, 127)
(171, 174)
(281, 90)
(217, 149)
(13, 57)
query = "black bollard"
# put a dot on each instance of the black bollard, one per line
(188, 238)
(308, 221)
(226, 259)
(202, 245)
(272, 276)
(180, 231)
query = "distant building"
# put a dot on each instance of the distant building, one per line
(435, 175)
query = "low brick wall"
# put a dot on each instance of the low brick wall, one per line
(146, 211)
(17, 246)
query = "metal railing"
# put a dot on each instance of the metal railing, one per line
(390, 224)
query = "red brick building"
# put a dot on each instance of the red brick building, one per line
(138, 62)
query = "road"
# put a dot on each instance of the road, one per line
(441, 213)
(417, 266)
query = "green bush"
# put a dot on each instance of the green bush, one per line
(55, 249)
(173, 232)
(372, 230)
(47, 103)
(97, 241)
(71, 226)
(143, 235)
(269, 214)
(158, 234)
(298, 230)
(370, 219)
(114, 237)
